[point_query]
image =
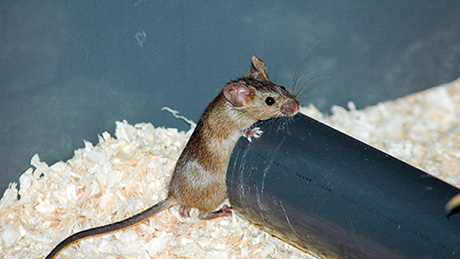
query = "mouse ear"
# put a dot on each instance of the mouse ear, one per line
(237, 94)
(258, 69)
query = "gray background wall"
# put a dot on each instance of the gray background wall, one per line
(70, 69)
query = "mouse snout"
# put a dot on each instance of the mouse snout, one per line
(291, 108)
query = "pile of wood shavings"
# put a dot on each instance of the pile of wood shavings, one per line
(422, 129)
(124, 175)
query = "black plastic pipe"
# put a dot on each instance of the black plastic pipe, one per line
(320, 189)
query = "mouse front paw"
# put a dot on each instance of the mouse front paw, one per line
(254, 132)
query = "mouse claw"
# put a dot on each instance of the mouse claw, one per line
(254, 132)
(184, 211)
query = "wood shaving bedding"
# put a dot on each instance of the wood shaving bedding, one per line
(124, 175)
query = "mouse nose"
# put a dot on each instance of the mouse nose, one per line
(291, 107)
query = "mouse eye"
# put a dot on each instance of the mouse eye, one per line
(270, 101)
(282, 87)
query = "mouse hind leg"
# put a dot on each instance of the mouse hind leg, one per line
(184, 211)
(224, 212)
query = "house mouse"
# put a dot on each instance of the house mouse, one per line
(198, 180)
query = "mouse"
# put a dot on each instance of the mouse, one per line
(199, 177)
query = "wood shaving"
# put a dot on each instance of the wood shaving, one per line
(125, 174)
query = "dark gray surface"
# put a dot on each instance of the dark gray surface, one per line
(314, 186)
(70, 69)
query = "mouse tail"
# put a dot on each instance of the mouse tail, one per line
(136, 219)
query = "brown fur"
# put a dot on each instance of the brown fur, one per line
(199, 177)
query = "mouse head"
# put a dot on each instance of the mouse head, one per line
(257, 98)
